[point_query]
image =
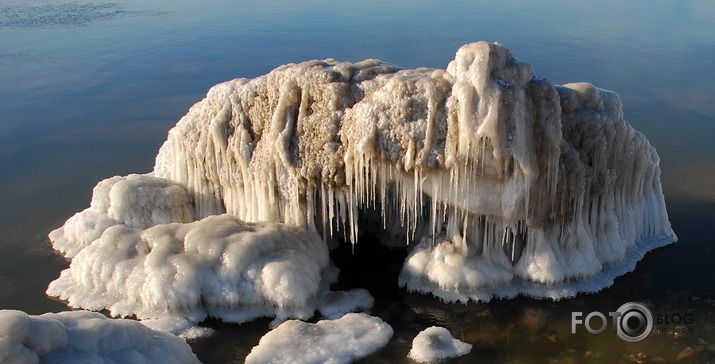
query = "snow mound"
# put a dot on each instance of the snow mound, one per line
(86, 337)
(348, 338)
(436, 343)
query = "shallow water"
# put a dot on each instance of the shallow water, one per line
(89, 90)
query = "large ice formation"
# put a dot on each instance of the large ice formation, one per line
(85, 337)
(344, 340)
(437, 343)
(500, 182)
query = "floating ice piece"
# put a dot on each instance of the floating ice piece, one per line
(436, 343)
(348, 338)
(509, 184)
(87, 337)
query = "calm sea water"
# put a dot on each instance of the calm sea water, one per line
(89, 89)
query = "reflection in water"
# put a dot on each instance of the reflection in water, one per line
(693, 98)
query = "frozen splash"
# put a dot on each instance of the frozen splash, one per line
(501, 183)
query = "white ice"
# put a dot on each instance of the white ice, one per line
(135, 201)
(85, 337)
(343, 340)
(436, 343)
(218, 266)
(500, 182)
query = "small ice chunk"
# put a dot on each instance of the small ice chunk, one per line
(436, 343)
(348, 338)
(87, 337)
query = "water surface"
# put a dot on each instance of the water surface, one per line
(89, 90)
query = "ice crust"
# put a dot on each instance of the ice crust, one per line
(436, 343)
(353, 336)
(500, 182)
(85, 337)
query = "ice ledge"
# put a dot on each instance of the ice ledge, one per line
(555, 291)
(595, 283)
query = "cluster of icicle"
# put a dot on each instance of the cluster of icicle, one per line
(501, 183)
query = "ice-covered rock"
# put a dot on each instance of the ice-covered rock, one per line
(502, 183)
(344, 340)
(86, 337)
(436, 343)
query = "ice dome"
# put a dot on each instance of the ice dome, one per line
(437, 343)
(499, 182)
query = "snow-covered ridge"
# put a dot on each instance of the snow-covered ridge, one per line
(501, 182)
